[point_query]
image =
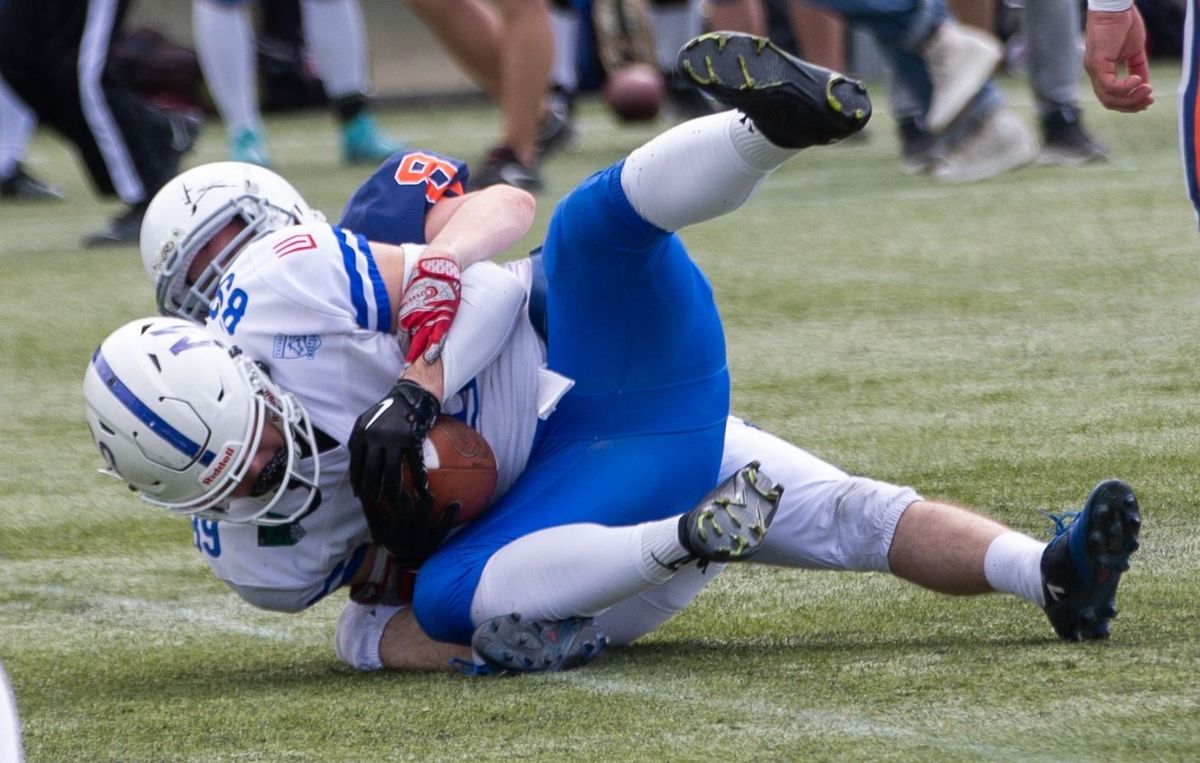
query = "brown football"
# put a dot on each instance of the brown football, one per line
(635, 92)
(462, 469)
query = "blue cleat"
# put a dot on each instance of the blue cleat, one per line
(364, 143)
(508, 644)
(249, 146)
(1082, 566)
(793, 103)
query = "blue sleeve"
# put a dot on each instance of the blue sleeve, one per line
(390, 206)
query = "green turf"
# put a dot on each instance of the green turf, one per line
(1004, 344)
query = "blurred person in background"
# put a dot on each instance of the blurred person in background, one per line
(954, 123)
(1047, 40)
(507, 48)
(16, 126)
(55, 56)
(1052, 36)
(335, 37)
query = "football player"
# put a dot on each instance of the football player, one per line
(827, 519)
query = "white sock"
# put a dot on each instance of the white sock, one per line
(699, 170)
(641, 613)
(16, 125)
(225, 47)
(337, 39)
(565, 27)
(577, 570)
(1013, 564)
(661, 548)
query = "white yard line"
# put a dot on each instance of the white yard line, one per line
(221, 613)
(791, 724)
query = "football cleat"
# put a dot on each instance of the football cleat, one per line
(509, 644)
(501, 166)
(730, 523)
(1082, 565)
(122, 230)
(793, 103)
(364, 143)
(22, 186)
(556, 131)
(684, 99)
(249, 147)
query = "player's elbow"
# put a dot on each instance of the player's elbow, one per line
(517, 205)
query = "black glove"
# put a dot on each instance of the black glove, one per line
(385, 437)
(411, 534)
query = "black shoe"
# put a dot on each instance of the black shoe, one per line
(121, 231)
(508, 644)
(1082, 566)
(184, 129)
(501, 166)
(1064, 141)
(730, 523)
(22, 186)
(920, 149)
(557, 129)
(793, 103)
(685, 100)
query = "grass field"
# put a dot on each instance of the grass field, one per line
(1005, 345)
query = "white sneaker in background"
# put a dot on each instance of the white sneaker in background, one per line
(1001, 142)
(960, 61)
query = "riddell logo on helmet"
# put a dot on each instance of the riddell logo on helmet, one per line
(219, 467)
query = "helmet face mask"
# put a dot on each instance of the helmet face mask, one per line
(180, 417)
(192, 209)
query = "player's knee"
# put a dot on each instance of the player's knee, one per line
(437, 603)
(867, 512)
(359, 631)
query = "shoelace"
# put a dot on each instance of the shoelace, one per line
(472, 669)
(1063, 521)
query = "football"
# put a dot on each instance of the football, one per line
(635, 92)
(461, 467)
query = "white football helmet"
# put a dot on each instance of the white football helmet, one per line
(179, 417)
(196, 205)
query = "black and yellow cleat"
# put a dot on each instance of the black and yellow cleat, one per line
(793, 103)
(730, 523)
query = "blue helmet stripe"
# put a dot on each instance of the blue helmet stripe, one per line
(152, 420)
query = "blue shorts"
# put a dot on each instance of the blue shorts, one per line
(639, 437)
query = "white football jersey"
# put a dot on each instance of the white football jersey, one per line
(308, 302)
